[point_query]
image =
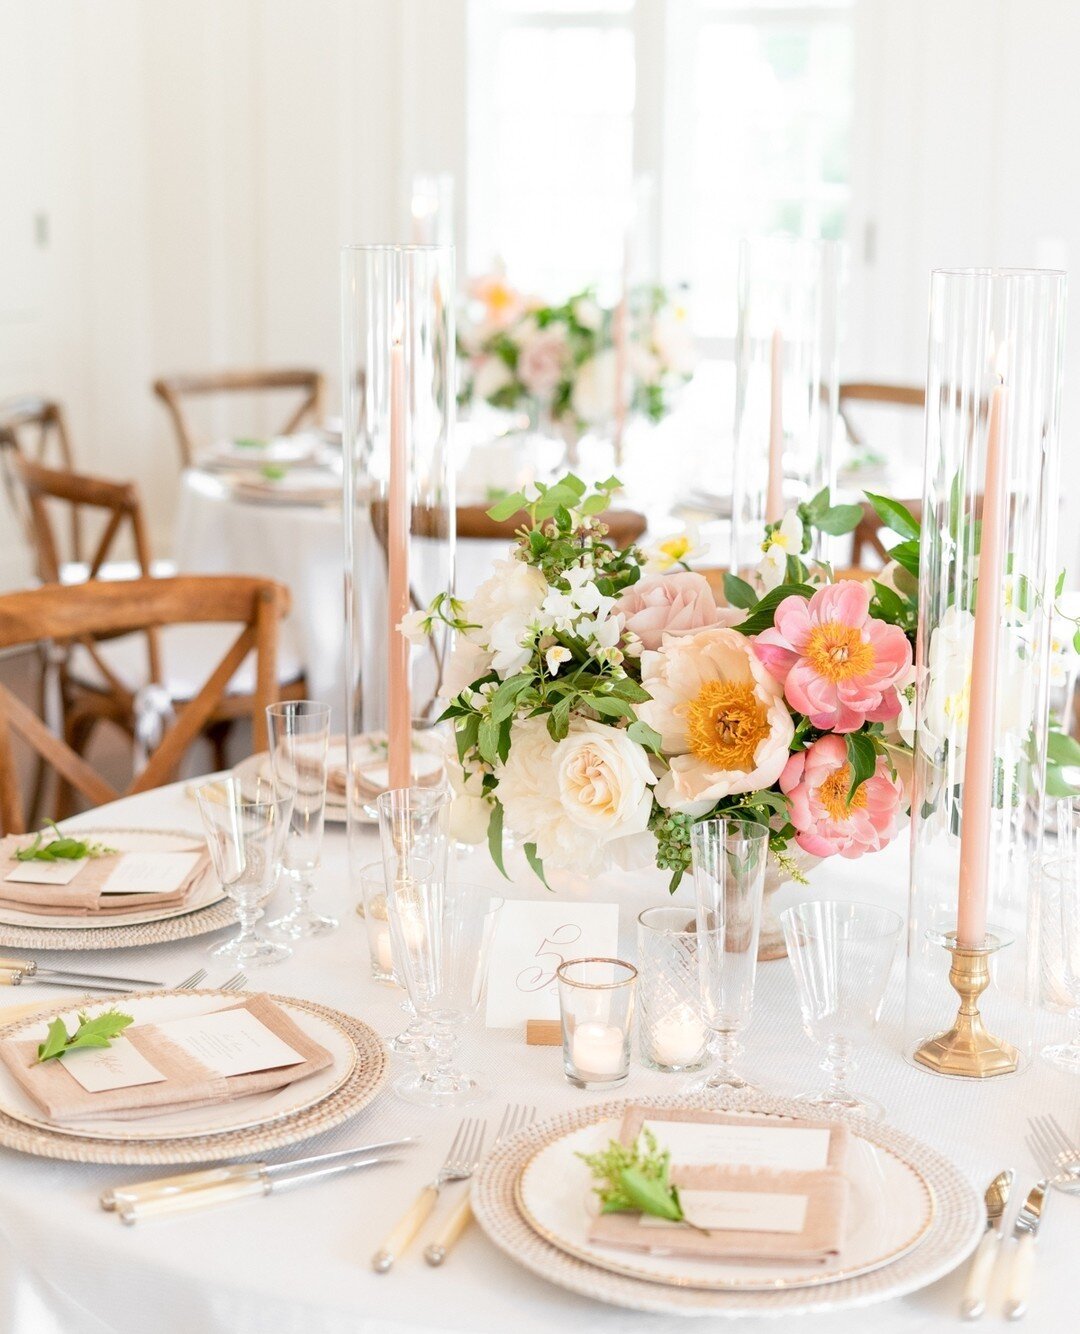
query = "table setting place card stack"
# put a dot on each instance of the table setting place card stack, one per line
(109, 883)
(157, 1068)
(751, 1188)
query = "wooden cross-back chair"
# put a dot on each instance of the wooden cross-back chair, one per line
(66, 614)
(174, 389)
(36, 428)
(912, 396)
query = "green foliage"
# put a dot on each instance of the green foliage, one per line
(896, 517)
(96, 1032)
(635, 1178)
(862, 757)
(761, 618)
(61, 847)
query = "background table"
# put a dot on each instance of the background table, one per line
(301, 1261)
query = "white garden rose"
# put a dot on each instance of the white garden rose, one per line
(580, 798)
(593, 397)
(587, 313)
(469, 811)
(491, 375)
(947, 688)
(504, 609)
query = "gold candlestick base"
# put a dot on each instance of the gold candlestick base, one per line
(968, 1049)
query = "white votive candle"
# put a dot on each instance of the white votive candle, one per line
(598, 1049)
(383, 951)
(678, 1038)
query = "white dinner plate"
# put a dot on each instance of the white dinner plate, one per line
(889, 1213)
(259, 1109)
(207, 892)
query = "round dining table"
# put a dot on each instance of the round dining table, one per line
(301, 1261)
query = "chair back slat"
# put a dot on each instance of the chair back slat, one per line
(101, 608)
(44, 420)
(174, 389)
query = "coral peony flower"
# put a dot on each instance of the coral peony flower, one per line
(721, 717)
(816, 782)
(837, 664)
(669, 604)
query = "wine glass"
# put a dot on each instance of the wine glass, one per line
(246, 834)
(441, 935)
(729, 859)
(842, 955)
(299, 736)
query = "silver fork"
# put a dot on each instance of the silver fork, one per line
(515, 1118)
(237, 982)
(1058, 1157)
(189, 983)
(461, 1162)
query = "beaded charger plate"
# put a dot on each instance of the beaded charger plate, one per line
(954, 1225)
(206, 910)
(366, 1075)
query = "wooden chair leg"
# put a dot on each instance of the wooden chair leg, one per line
(78, 730)
(218, 736)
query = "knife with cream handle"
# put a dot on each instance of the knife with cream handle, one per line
(1025, 1230)
(973, 1303)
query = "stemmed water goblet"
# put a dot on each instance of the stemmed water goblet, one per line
(441, 933)
(729, 859)
(842, 955)
(299, 734)
(245, 831)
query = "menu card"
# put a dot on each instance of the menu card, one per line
(150, 872)
(230, 1042)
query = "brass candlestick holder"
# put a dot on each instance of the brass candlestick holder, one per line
(968, 1049)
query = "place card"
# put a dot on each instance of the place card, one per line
(533, 938)
(150, 872)
(120, 1066)
(777, 1148)
(46, 873)
(230, 1042)
(738, 1211)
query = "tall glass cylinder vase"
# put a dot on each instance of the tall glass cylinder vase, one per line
(786, 382)
(986, 591)
(398, 403)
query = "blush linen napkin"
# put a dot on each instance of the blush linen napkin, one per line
(83, 897)
(826, 1192)
(187, 1083)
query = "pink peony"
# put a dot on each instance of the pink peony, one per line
(838, 665)
(543, 360)
(670, 604)
(816, 782)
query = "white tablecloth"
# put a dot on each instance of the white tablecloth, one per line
(300, 1261)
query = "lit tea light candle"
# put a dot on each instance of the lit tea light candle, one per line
(678, 1038)
(383, 950)
(598, 1049)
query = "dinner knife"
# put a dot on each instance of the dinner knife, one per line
(1025, 1230)
(85, 985)
(973, 1303)
(29, 968)
(237, 1180)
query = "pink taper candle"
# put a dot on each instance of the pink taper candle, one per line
(397, 553)
(774, 495)
(976, 825)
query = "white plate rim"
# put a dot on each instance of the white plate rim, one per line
(109, 1130)
(628, 1269)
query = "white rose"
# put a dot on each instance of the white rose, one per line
(491, 375)
(593, 396)
(470, 813)
(673, 341)
(587, 313)
(504, 609)
(947, 688)
(577, 799)
(644, 365)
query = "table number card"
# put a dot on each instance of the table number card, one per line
(533, 937)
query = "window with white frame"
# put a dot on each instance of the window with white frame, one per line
(739, 112)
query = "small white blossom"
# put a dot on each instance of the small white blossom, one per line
(555, 657)
(415, 626)
(672, 551)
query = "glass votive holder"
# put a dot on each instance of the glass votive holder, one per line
(376, 917)
(671, 1033)
(596, 1006)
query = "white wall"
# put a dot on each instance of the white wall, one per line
(200, 163)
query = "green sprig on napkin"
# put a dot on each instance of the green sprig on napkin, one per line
(96, 1032)
(62, 847)
(635, 1178)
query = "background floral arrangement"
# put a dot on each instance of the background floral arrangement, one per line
(599, 711)
(558, 363)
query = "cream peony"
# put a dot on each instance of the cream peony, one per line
(721, 717)
(580, 799)
(504, 609)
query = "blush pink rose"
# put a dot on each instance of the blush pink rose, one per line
(838, 664)
(542, 360)
(671, 604)
(816, 782)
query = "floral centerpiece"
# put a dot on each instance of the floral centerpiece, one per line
(599, 710)
(558, 363)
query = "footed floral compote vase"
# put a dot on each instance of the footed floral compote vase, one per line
(600, 710)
